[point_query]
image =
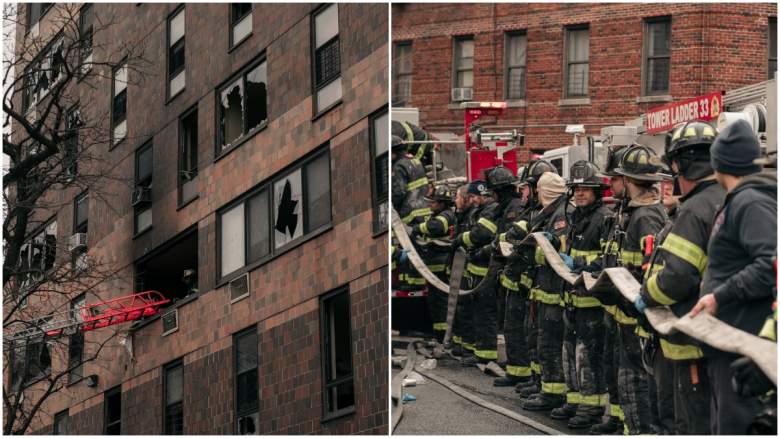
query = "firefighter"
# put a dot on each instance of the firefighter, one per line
(738, 281)
(674, 276)
(435, 237)
(410, 132)
(645, 218)
(584, 315)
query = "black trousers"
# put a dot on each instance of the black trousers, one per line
(589, 356)
(549, 348)
(663, 374)
(486, 319)
(730, 414)
(515, 334)
(633, 383)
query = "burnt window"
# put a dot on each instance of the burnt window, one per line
(246, 383)
(327, 58)
(188, 156)
(60, 423)
(402, 73)
(514, 65)
(38, 254)
(378, 147)
(577, 61)
(43, 73)
(142, 196)
(657, 49)
(242, 106)
(772, 46)
(276, 214)
(31, 358)
(463, 62)
(86, 30)
(112, 407)
(119, 104)
(171, 269)
(174, 398)
(176, 77)
(76, 342)
(339, 385)
(240, 22)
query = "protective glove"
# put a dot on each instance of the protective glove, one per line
(569, 260)
(402, 256)
(747, 378)
(640, 304)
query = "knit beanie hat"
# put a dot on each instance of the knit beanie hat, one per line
(734, 150)
(478, 187)
(550, 187)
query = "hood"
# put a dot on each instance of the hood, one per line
(648, 197)
(765, 182)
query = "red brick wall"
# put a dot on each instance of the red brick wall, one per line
(714, 47)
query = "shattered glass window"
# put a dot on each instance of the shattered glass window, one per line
(232, 109)
(256, 97)
(243, 105)
(288, 196)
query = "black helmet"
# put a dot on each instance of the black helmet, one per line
(614, 155)
(585, 174)
(499, 177)
(637, 163)
(534, 171)
(398, 143)
(441, 193)
(689, 145)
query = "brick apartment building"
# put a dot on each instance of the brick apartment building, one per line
(557, 64)
(255, 145)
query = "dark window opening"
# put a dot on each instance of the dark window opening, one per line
(113, 411)
(76, 342)
(171, 271)
(174, 399)
(247, 383)
(243, 106)
(402, 72)
(188, 158)
(379, 147)
(339, 391)
(60, 423)
(142, 196)
(86, 26)
(658, 38)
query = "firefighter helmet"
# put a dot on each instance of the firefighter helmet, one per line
(585, 174)
(689, 145)
(614, 155)
(499, 177)
(637, 163)
(398, 144)
(534, 171)
(441, 193)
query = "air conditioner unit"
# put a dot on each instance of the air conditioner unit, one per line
(462, 94)
(239, 288)
(170, 322)
(78, 241)
(141, 196)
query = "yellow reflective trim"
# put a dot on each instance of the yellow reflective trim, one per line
(622, 318)
(584, 302)
(409, 132)
(630, 257)
(416, 184)
(509, 284)
(545, 297)
(488, 224)
(686, 250)
(589, 256)
(420, 212)
(690, 131)
(437, 268)
(535, 367)
(502, 237)
(680, 352)
(467, 239)
(616, 411)
(539, 256)
(554, 388)
(610, 247)
(457, 339)
(518, 371)
(526, 281)
(769, 330)
(468, 346)
(657, 293)
(642, 333)
(523, 225)
(440, 326)
(476, 270)
(590, 400)
(610, 309)
(625, 429)
(573, 398)
(443, 221)
(604, 399)
(424, 227)
(486, 354)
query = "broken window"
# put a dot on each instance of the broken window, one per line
(240, 22)
(327, 59)
(174, 398)
(43, 73)
(60, 423)
(119, 104)
(76, 342)
(188, 156)
(142, 196)
(86, 26)
(288, 194)
(243, 106)
(378, 146)
(176, 52)
(339, 394)
(247, 389)
(164, 269)
(113, 411)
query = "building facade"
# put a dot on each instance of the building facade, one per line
(558, 64)
(250, 146)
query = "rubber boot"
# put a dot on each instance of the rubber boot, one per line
(532, 381)
(471, 361)
(457, 350)
(509, 380)
(583, 421)
(608, 427)
(530, 390)
(544, 402)
(565, 412)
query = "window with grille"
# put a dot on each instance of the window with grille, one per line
(119, 104)
(339, 385)
(379, 147)
(326, 57)
(245, 346)
(112, 408)
(176, 74)
(240, 22)
(242, 106)
(657, 45)
(772, 46)
(174, 398)
(514, 65)
(188, 156)
(577, 61)
(402, 73)
(463, 61)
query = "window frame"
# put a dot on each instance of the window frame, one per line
(34, 69)
(456, 40)
(110, 393)
(73, 377)
(508, 68)
(646, 57)
(315, 88)
(771, 22)
(377, 227)
(248, 331)
(398, 74)
(178, 363)
(168, 52)
(567, 64)
(180, 166)
(112, 141)
(232, 21)
(82, 52)
(219, 151)
(77, 228)
(59, 417)
(145, 183)
(28, 15)
(326, 359)
(268, 185)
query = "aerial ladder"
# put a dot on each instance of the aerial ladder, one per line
(90, 317)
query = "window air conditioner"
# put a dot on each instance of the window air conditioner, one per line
(141, 196)
(239, 288)
(462, 94)
(78, 241)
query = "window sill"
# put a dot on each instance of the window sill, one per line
(377, 234)
(338, 414)
(325, 110)
(516, 103)
(170, 99)
(223, 281)
(138, 325)
(116, 145)
(453, 106)
(142, 232)
(661, 98)
(69, 384)
(574, 102)
(240, 141)
(235, 45)
(188, 202)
